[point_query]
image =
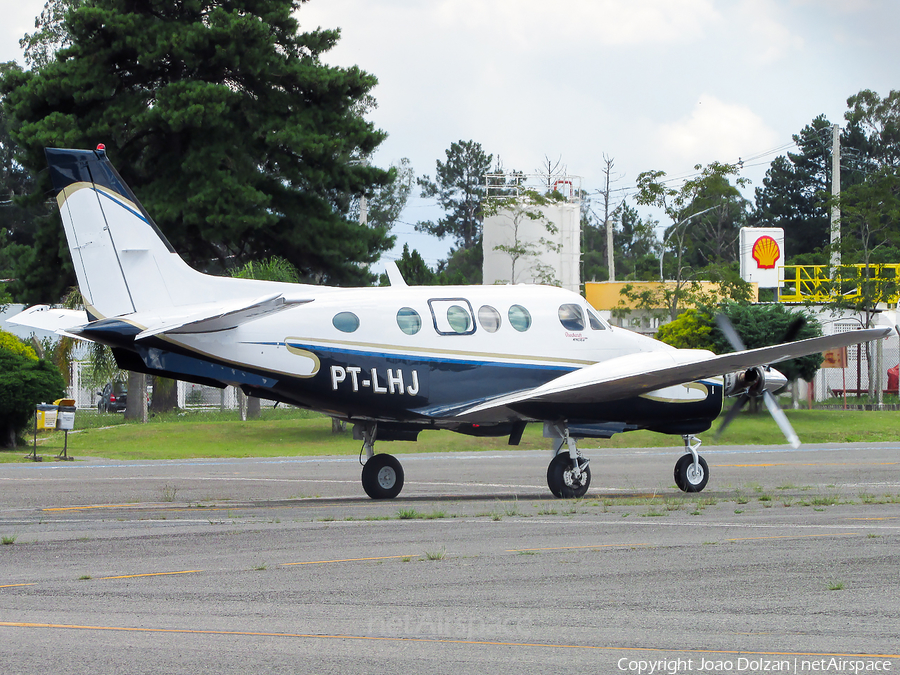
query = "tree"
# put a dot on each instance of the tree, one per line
(17, 222)
(879, 121)
(413, 269)
(608, 210)
(459, 189)
(691, 330)
(767, 324)
(463, 266)
(681, 206)
(25, 381)
(794, 191)
(711, 238)
(386, 203)
(222, 118)
(637, 245)
(51, 35)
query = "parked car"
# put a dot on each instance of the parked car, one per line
(113, 397)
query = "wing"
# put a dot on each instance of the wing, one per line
(644, 372)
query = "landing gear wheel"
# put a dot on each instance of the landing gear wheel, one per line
(561, 478)
(382, 477)
(689, 479)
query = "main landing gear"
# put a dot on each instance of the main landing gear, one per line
(568, 475)
(382, 475)
(691, 471)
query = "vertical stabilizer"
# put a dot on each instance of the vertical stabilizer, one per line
(123, 262)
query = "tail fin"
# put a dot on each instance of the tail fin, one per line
(123, 262)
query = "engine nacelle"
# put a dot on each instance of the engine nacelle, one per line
(754, 381)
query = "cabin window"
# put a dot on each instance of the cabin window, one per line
(489, 318)
(596, 322)
(458, 318)
(452, 316)
(571, 317)
(409, 320)
(346, 322)
(519, 318)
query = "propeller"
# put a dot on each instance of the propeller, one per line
(759, 381)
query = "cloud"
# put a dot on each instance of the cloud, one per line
(606, 22)
(714, 131)
(767, 36)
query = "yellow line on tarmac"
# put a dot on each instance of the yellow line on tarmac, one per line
(323, 562)
(151, 574)
(797, 536)
(83, 508)
(744, 466)
(883, 518)
(16, 585)
(491, 643)
(572, 548)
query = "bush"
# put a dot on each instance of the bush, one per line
(25, 381)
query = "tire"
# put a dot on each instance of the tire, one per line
(559, 470)
(685, 477)
(382, 477)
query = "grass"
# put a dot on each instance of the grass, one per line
(9, 540)
(284, 432)
(436, 554)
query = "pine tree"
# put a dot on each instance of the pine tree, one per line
(221, 116)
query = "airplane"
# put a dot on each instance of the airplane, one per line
(395, 360)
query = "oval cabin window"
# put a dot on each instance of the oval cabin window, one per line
(519, 318)
(346, 322)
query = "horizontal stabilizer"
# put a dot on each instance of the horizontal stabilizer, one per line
(643, 373)
(211, 317)
(54, 319)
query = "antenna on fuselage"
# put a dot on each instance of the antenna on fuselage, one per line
(393, 273)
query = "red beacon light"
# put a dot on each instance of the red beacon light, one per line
(101, 149)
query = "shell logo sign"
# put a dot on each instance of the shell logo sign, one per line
(762, 255)
(765, 252)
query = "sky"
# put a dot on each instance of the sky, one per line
(652, 84)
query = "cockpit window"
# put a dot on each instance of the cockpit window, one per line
(519, 318)
(346, 322)
(489, 318)
(596, 322)
(571, 317)
(409, 320)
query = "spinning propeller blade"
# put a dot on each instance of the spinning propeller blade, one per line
(775, 410)
(732, 413)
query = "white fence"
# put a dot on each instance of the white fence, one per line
(883, 354)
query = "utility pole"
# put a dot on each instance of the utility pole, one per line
(835, 193)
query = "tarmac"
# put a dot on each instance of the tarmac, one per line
(789, 561)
